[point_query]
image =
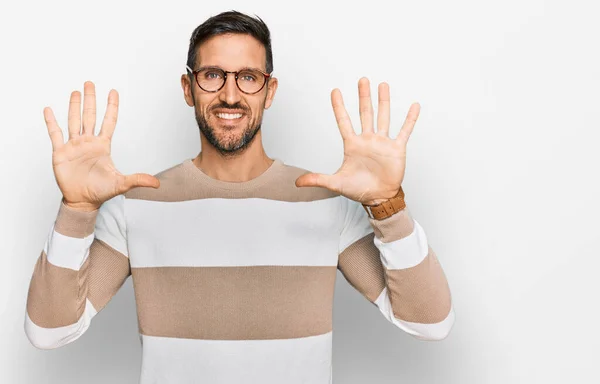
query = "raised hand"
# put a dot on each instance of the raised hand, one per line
(373, 167)
(82, 166)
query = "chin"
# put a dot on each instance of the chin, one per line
(228, 137)
(230, 141)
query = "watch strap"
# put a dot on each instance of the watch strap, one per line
(386, 208)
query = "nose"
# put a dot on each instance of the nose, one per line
(230, 92)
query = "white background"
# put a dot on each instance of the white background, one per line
(502, 168)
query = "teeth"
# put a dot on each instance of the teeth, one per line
(229, 116)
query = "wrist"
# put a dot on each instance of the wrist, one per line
(382, 200)
(385, 208)
(81, 207)
(374, 202)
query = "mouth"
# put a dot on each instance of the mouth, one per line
(230, 117)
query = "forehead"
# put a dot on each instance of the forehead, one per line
(232, 52)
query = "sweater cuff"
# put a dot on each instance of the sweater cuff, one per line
(393, 228)
(74, 223)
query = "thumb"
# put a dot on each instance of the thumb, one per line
(316, 180)
(140, 180)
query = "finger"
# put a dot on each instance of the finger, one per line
(365, 106)
(383, 110)
(74, 114)
(317, 180)
(341, 115)
(89, 108)
(409, 123)
(139, 180)
(110, 117)
(54, 131)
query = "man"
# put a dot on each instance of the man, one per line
(233, 254)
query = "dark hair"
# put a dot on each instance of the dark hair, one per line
(231, 22)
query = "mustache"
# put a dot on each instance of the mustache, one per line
(236, 106)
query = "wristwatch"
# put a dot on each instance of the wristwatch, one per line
(386, 208)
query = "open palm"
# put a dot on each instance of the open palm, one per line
(374, 164)
(82, 166)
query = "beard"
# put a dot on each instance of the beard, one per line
(229, 142)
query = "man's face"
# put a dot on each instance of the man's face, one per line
(230, 52)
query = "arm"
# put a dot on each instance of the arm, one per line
(84, 261)
(390, 262)
(83, 264)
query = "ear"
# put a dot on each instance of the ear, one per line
(186, 85)
(271, 88)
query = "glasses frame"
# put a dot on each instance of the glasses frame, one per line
(196, 72)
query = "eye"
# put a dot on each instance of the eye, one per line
(212, 75)
(248, 76)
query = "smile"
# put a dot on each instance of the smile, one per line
(229, 116)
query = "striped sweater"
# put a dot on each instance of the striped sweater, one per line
(233, 281)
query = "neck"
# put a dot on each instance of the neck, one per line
(245, 166)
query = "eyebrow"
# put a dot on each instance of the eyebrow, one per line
(217, 67)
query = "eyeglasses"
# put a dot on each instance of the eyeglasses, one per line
(212, 79)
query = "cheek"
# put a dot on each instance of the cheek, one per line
(257, 107)
(204, 102)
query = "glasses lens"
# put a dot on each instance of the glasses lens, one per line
(250, 81)
(210, 79)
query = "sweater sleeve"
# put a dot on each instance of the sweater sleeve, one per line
(390, 263)
(83, 264)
